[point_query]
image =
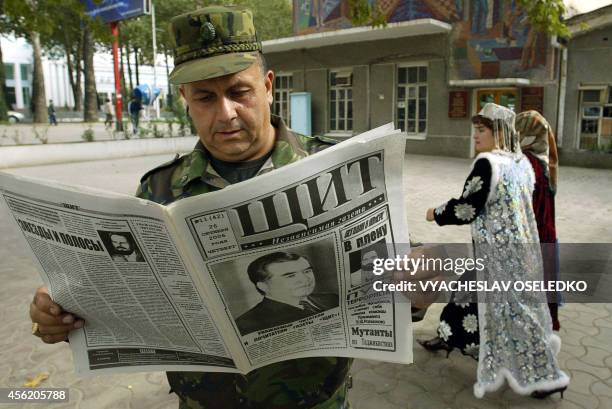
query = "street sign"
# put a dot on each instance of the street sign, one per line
(146, 93)
(111, 11)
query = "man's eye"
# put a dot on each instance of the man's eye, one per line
(240, 92)
(205, 98)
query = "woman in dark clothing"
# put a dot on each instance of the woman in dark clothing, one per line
(538, 144)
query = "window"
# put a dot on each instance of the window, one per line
(595, 119)
(25, 72)
(27, 98)
(341, 101)
(11, 100)
(411, 103)
(283, 85)
(9, 71)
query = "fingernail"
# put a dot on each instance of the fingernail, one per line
(78, 324)
(68, 319)
(54, 310)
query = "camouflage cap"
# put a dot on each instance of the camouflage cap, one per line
(211, 42)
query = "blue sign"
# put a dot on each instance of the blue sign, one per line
(146, 93)
(116, 10)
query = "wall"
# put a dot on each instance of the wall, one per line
(589, 57)
(374, 70)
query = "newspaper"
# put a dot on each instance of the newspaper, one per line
(182, 287)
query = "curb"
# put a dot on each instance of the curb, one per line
(34, 155)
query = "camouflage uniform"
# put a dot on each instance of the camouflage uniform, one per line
(317, 383)
(209, 43)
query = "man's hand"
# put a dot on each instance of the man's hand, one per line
(50, 322)
(430, 215)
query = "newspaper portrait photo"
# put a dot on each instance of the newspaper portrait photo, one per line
(270, 289)
(121, 246)
(362, 263)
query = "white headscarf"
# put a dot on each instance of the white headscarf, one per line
(505, 135)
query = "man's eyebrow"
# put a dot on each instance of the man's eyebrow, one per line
(201, 91)
(295, 272)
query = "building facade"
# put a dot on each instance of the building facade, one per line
(18, 63)
(433, 66)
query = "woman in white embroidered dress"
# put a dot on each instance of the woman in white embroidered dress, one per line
(516, 339)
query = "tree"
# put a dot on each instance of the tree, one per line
(3, 105)
(30, 18)
(546, 16)
(363, 12)
(66, 40)
(90, 109)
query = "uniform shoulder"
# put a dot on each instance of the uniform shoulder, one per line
(173, 163)
(313, 144)
(156, 184)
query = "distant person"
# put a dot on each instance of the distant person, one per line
(51, 112)
(134, 108)
(109, 111)
(287, 282)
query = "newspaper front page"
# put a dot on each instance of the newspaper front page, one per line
(266, 270)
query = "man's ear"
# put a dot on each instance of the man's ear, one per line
(262, 286)
(182, 90)
(269, 81)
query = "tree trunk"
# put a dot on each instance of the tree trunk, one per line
(39, 99)
(136, 63)
(169, 101)
(78, 66)
(127, 57)
(3, 104)
(71, 70)
(90, 112)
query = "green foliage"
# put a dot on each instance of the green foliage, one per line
(178, 108)
(143, 132)
(157, 133)
(546, 16)
(362, 13)
(88, 135)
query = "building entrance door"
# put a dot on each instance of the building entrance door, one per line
(507, 97)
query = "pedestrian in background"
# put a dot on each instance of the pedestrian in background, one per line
(538, 145)
(134, 108)
(511, 338)
(109, 111)
(51, 113)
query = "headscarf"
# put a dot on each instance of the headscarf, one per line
(504, 134)
(537, 137)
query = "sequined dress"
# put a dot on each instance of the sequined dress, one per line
(516, 339)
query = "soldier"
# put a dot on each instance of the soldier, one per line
(228, 91)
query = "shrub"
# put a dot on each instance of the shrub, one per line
(88, 135)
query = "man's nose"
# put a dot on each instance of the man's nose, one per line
(226, 110)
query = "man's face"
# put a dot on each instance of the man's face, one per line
(232, 113)
(367, 260)
(121, 244)
(288, 279)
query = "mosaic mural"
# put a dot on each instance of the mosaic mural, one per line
(490, 38)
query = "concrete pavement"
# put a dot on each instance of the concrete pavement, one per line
(584, 214)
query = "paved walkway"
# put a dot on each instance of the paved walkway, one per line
(584, 215)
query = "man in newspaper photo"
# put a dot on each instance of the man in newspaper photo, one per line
(121, 246)
(287, 282)
(228, 91)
